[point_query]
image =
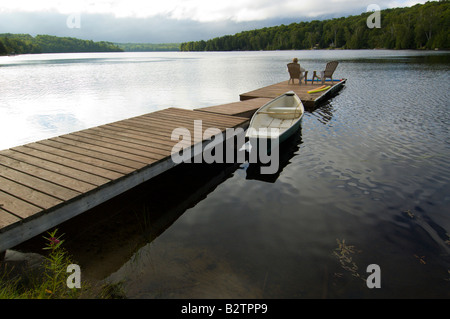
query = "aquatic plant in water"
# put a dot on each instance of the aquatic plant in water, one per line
(344, 254)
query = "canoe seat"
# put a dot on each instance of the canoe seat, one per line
(283, 109)
(283, 112)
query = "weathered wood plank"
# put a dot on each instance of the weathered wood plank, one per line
(103, 174)
(155, 126)
(56, 167)
(43, 186)
(47, 175)
(210, 118)
(140, 136)
(81, 157)
(7, 219)
(97, 152)
(28, 194)
(165, 129)
(127, 146)
(182, 118)
(126, 136)
(17, 206)
(106, 148)
(165, 123)
(242, 108)
(144, 132)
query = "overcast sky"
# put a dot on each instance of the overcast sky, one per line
(168, 20)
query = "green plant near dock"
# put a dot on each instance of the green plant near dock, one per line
(50, 280)
(55, 266)
(47, 282)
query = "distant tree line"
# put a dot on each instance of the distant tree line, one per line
(419, 27)
(140, 47)
(25, 43)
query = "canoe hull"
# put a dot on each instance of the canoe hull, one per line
(277, 120)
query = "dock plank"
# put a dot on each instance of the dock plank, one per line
(208, 117)
(58, 150)
(127, 137)
(162, 133)
(174, 118)
(144, 132)
(17, 206)
(41, 185)
(7, 219)
(165, 121)
(56, 167)
(97, 152)
(106, 148)
(244, 108)
(186, 122)
(168, 131)
(101, 175)
(45, 174)
(179, 114)
(166, 126)
(308, 99)
(28, 194)
(117, 144)
(124, 130)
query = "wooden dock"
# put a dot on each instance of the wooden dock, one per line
(310, 101)
(45, 183)
(242, 109)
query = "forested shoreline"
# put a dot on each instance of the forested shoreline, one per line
(423, 26)
(148, 47)
(11, 44)
(419, 27)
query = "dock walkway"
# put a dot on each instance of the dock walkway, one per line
(310, 100)
(47, 182)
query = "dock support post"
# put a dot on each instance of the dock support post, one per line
(2, 255)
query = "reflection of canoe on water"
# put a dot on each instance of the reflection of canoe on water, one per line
(288, 150)
(279, 118)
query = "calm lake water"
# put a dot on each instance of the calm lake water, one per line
(365, 181)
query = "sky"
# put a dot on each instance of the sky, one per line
(165, 21)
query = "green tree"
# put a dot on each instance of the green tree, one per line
(3, 50)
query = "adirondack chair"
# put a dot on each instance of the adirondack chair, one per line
(327, 73)
(296, 72)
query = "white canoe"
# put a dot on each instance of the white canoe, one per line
(278, 118)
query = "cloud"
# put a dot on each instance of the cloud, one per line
(200, 10)
(107, 27)
(169, 20)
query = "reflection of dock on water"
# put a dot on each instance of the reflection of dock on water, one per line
(116, 230)
(48, 182)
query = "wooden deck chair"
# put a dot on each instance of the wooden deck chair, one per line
(295, 72)
(327, 73)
